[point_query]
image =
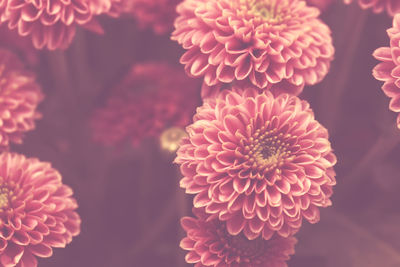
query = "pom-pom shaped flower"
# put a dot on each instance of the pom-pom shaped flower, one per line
(157, 14)
(391, 6)
(210, 244)
(19, 97)
(389, 69)
(261, 42)
(51, 23)
(261, 163)
(151, 98)
(36, 211)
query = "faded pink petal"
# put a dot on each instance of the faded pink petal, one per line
(390, 6)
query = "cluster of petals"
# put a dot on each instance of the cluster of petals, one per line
(261, 163)
(19, 98)
(390, 6)
(209, 244)
(37, 212)
(156, 14)
(52, 23)
(388, 70)
(258, 42)
(152, 97)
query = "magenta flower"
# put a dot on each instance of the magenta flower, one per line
(37, 211)
(52, 23)
(388, 70)
(151, 98)
(261, 163)
(19, 98)
(259, 42)
(156, 14)
(390, 6)
(209, 244)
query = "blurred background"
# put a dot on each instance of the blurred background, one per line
(129, 196)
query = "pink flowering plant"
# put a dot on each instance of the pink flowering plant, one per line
(205, 133)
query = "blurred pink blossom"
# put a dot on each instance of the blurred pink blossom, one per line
(390, 6)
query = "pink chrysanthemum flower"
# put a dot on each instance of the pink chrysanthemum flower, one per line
(52, 23)
(391, 6)
(151, 98)
(156, 14)
(389, 70)
(259, 162)
(36, 211)
(19, 98)
(210, 244)
(260, 42)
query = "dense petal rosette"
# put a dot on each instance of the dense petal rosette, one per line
(156, 14)
(151, 98)
(388, 70)
(19, 98)
(390, 6)
(36, 211)
(209, 244)
(259, 42)
(52, 23)
(259, 162)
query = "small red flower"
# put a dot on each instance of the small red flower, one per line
(209, 244)
(261, 163)
(258, 42)
(37, 212)
(151, 98)
(19, 98)
(388, 70)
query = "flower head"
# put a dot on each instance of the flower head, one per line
(52, 23)
(390, 6)
(150, 99)
(388, 70)
(261, 163)
(19, 98)
(259, 42)
(37, 212)
(157, 14)
(210, 244)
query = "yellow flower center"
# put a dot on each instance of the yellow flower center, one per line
(170, 138)
(268, 10)
(5, 195)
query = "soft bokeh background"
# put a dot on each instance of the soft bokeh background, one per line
(129, 198)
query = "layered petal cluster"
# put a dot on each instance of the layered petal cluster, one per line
(37, 212)
(156, 14)
(259, 42)
(151, 98)
(19, 98)
(388, 70)
(209, 244)
(261, 163)
(51, 23)
(390, 6)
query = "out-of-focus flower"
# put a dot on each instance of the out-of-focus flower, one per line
(20, 45)
(388, 70)
(261, 163)
(52, 23)
(210, 244)
(151, 98)
(37, 212)
(321, 4)
(19, 98)
(170, 138)
(156, 14)
(390, 6)
(258, 42)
